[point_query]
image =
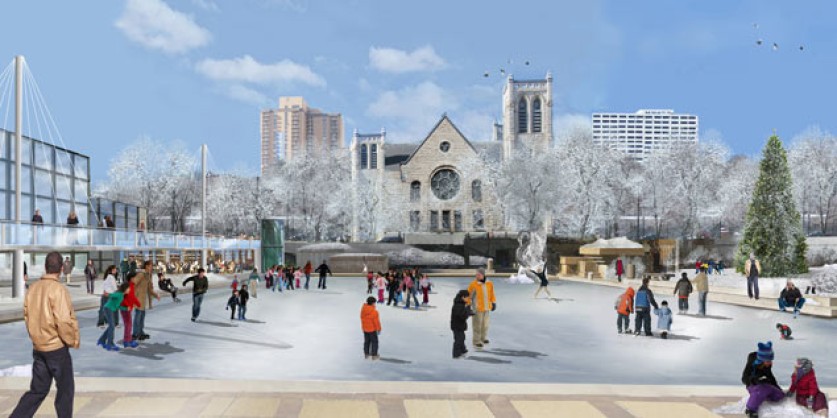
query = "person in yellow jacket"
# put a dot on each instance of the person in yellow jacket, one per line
(53, 329)
(482, 303)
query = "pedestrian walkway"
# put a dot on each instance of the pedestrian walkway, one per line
(205, 398)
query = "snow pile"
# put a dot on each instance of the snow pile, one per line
(785, 409)
(618, 242)
(521, 277)
(822, 256)
(326, 246)
(825, 278)
(17, 371)
(418, 257)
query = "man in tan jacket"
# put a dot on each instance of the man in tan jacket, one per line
(701, 285)
(53, 329)
(144, 289)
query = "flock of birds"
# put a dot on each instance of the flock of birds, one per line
(760, 41)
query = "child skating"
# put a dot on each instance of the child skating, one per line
(784, 331)
(370, 323)
(459, 322)
(624, 307)
(232, 303)
(663, 319)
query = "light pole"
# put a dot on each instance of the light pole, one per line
(17, 259)
(204, 262)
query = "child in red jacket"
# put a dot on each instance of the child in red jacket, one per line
(804, 385)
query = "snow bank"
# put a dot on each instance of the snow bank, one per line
(785, 409)
(825, 278)
(769, 286)
(326, 246)
(17, 371)
(415, 256)
(618, 242)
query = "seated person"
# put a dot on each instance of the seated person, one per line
(791, 297)
(165, 284)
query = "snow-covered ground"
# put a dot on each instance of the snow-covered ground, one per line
(419, 257)
(785, 409)
(824, 277)
(569, 338)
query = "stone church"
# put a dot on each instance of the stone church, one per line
(430, 183)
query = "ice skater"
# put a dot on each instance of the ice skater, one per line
(544, 282)
(459, 314)
(424, 285)
(408, 290)
(370, 323)
(752, 269)
(663, 319)
(112, 308)
(243, 298)
(683, 289)
(784, 331)
(483, 302)
(624, 307)
(324, 273)
(759, 380)
(199, 287)
(232, 303)
(381, 284)
(642, 306)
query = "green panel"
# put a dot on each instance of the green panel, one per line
(273, 243)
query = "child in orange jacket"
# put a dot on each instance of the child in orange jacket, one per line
(624, 308)
(370, 322)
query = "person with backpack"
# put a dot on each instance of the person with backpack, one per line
(642, 304)
(683, 289)
(624, 306)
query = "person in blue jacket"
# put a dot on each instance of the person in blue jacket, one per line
(663, 320)
(643, 302)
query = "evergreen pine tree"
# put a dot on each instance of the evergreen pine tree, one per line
(773, 227)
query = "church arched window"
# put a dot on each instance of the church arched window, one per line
(415, 191)
(536, 115)
(522, 116)
(476, 191)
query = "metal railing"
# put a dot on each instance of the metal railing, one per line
(26, 234)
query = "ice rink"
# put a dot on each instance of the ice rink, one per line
(570, 338)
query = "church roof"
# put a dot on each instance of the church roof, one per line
(436, 126)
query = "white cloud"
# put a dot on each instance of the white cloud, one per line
(208, 5)
(247, 70)
(247, 95)
(392, 60)
(155, 25)
(409, 113)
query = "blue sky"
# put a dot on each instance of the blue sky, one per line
(200, 70)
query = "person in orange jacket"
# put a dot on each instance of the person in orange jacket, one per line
(624, 308)
(370, 322)
(483, 302)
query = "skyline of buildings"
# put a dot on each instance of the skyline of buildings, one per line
(645, 131)
(294, 130)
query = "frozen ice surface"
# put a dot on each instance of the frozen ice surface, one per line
(568, 338)
(785, 409)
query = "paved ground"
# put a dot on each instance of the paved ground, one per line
(420, 401)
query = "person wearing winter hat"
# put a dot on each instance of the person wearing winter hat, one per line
(804, 385)
(459, 323)
(759, 380)
(483, 302)
(370, 322)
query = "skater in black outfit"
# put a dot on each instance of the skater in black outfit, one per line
(393, 285)
(232, 303)
(243, 297)
(459, 322)
(324, 271)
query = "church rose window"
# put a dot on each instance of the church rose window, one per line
(444, 146)
(445, 184)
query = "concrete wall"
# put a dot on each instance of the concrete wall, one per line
(354, 262)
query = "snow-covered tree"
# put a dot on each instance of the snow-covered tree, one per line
(156, 175)
(735, 190)
(526, 184)
(773, 226)
(813, 159)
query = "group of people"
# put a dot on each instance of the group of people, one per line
(642, 303)
(401, 286)
(711, 266)
(762, 386)
(476, 302)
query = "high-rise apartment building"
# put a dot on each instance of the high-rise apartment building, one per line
(645, 131)
(295, 130)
